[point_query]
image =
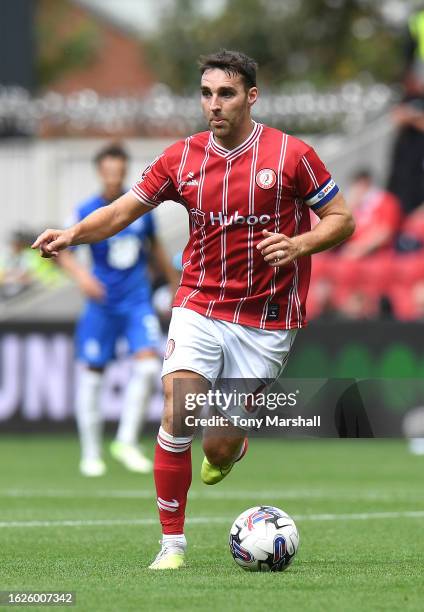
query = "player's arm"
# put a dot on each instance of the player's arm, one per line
(99, 225)
(161, 258)
(89, 285)
(335, 225)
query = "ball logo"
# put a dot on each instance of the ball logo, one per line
(266, 178)
(279, 554)
(238, 551)
(280, 548)
(255, 517)
(170, 346)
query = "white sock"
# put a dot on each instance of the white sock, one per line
(178, 540)
(87, 413)
(142, 384)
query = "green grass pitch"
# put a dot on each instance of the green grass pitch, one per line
(358, 504)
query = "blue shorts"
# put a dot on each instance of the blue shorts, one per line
(100, 332)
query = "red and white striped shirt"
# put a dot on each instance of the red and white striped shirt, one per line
(267, 182)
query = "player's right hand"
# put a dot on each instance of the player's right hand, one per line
(51, 241)
(92, 288)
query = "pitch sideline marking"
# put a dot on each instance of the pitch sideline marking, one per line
(210, 519)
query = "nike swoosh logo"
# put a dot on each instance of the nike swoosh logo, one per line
(164, 504)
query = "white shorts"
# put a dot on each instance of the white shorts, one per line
(223, 351)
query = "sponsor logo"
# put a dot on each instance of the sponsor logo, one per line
(170, 346)
(221, 219)
(325, 190)
(91, 348)
(266, 178)
(190, 180)
(171, 506)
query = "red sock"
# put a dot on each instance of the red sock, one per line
(172, 471)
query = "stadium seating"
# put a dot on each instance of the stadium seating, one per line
(355, 288)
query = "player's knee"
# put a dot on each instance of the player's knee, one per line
(171, 417)
(167, 422)
(219, 452)
(147, 371)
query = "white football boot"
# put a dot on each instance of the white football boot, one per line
(170, 556)
(92, 468)
(131, 457)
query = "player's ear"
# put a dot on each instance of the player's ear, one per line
(252, 95)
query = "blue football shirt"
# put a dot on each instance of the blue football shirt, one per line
(120, 262)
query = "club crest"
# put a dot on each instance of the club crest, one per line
(198, 216)
(266, 178)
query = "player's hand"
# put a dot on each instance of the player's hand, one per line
(278, 249)
(92, 288)
(51, 241)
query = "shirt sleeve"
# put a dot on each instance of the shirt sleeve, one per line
(155, 185)
(313, 181)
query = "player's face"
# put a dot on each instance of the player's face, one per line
(112, 172)
(226, 104)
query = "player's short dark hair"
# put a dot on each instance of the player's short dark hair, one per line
(362, 175)
(232, 63)
(111, 150)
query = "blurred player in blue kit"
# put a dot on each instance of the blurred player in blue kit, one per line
(118, 306)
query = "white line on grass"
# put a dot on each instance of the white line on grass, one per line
(211, 495)
(200, 520)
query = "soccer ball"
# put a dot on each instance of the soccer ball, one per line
(264, 539)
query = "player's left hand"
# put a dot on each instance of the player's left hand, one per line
(278, 249)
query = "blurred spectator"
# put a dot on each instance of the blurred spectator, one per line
(418, 300)
(406, 178)
(411, 237)
(377, 214)
(414, 53)
(21, 267)
(356, 306)
(15, 272)
(320, 299)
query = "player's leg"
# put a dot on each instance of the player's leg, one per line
(89, 421)
(223, 447)
(142, 332)
(95, 339)
(172, 464)
(252, 358)
(192, 360)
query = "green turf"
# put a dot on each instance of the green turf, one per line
(343, 564)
